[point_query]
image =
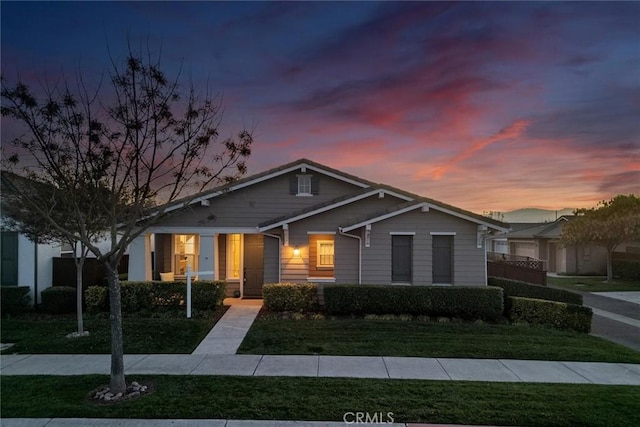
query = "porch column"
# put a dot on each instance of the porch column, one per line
(140, 258)
(206, 256)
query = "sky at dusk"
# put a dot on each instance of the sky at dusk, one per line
(485, 106)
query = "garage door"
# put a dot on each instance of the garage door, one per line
(525, 249)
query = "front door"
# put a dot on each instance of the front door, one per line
(253, 274)
(401, 263)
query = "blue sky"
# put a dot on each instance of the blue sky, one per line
(486, 106)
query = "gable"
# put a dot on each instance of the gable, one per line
(253, 204)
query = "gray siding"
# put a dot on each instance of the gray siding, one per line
(346, 248)
(252, 205)
(468, 260)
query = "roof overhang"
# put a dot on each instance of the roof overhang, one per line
(425, 206)
(373, 192)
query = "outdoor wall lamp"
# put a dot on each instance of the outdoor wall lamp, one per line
(296, 252)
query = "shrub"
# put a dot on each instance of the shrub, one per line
(97, 299)
(208, 294)
(515, 288)
(59, 299)
(14, 299)
(554, 314)
(459, 301)
(159, 296)
(626, 269)
(290, 296)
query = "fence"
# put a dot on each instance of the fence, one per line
(64, 271)
(517, 267)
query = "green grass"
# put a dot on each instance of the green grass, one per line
(351, 337)
(47, 334)
(594, 284)
(329, 399)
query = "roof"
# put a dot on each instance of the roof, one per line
(366, 185)
(548, 230)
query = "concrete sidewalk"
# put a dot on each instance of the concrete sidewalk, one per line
(445, 369)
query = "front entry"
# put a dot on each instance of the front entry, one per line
(253, 274)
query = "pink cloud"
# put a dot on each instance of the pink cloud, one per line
(515, 130)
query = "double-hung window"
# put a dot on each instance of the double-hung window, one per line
(325, 254)
(304, 184)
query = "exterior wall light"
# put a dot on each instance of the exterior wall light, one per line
(296, 252)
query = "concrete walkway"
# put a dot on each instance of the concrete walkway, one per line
(444, 369)
(228, 333)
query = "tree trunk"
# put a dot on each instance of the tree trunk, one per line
(117, 382)
(79, 268)
(609, 265)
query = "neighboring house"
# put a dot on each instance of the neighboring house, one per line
(22, 262)
(305, 222)
(26, 264)
(542, 241)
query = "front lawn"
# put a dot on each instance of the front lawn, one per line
(593, 284)
(360, 337)
(219, 397)
(36, 334)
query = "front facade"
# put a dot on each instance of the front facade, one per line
(305, 222)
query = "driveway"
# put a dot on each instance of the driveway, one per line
(616, 316)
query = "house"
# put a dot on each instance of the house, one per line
(306, 222)
(23, 262)
(542, 241)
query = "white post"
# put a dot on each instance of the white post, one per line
(188, 291)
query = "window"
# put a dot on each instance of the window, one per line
(234, 251)
(185, 253)
(304, 184)
(325, 254)
(66, 250)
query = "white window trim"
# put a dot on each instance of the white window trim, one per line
(402, 233)
(443, 233)
(321, 232)
(318, 244)
(321, 279)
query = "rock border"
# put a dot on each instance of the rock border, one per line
(103, 396)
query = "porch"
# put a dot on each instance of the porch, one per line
(244, 260)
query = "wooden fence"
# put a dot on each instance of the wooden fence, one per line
(64, 271)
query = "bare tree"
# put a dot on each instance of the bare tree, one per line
(132, 151)
(18, 197)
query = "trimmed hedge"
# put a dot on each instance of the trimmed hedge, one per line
(515, 288)
(59, 300)
(290, 296)
(14, 299)
(558, 315)
(626, 269)
(138, 296)
(465, 302)
(97, 299)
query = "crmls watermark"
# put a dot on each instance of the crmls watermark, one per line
(368, 418)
